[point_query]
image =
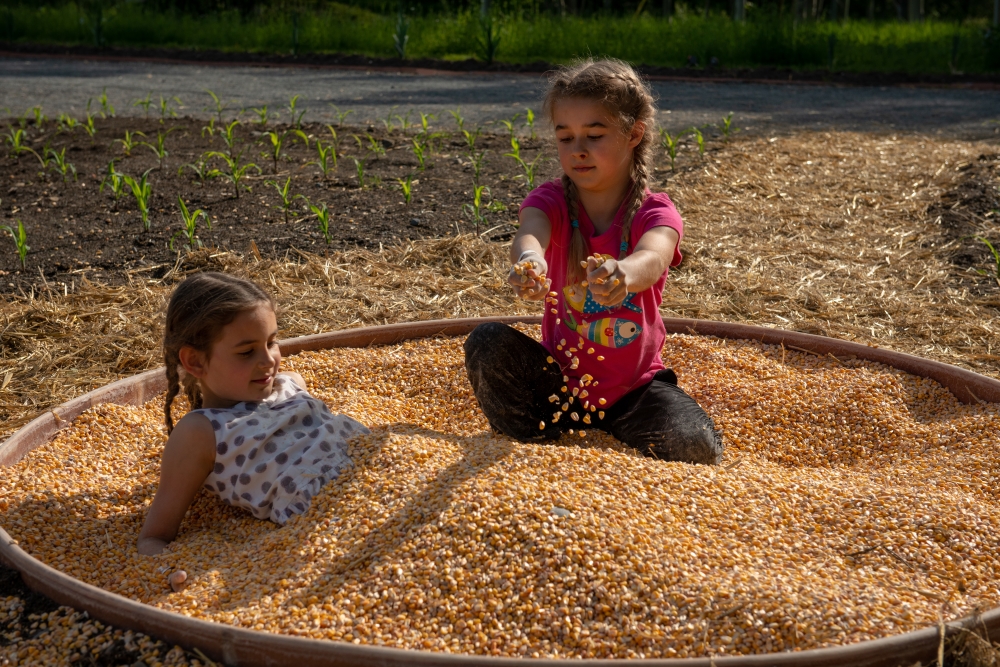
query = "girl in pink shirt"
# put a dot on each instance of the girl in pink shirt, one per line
(595, 247)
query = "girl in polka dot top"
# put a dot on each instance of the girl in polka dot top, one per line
(254, 437)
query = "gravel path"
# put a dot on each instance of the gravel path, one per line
(64, 85)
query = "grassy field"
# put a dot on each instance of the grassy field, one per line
(927, 47)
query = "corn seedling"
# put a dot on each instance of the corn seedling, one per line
(336, 139)
(425, 122)
(43, 157)
(727, 126)
(60, 164)
(296, 116)
(145, 103)
(228, 134)
(496, 206)
(262, 115)
(89, 126)
(420, 151)
(20, 241)
(406, 187)
(359, 168)
(471, 137)
(218, 107)
(509, 124)
(529, 121)
(404, 120)
(474, 210)
(375, 145)
(160, 149)
(107, 110)
(478, 161)
(669, 144)
(322, 219)
(277, 140)
(114, 180)
(996, 257)
(67, 122)
(284, 191)
(401, 36)
(459, 119)
(236, 173)
(39, 117)
(201, 169)
(190, 230)
(143, 192)
(209, 129)
(128, 143)
(15, 138)
(699, 139)
(326, 158)
(529, 168)
(387, 123)
(341, 115)
(167, 111)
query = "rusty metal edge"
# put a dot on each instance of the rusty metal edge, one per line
(249, 648)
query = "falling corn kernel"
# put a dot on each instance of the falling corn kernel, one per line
(592, 407)
(556, 416)
(564, 389)
(584, 283)
(550, 360)
(553, 311)
(571, 399)
(586, 419)
(576, 391)
(600, 357)
(600, 415)
(558, 320)
(559, 347)
(565, 407)
(590, 350)
(601, 401)
(571, 431)
(541, 426)
(587, 377)
(562, 341)
(565, 378)
(553, 293)
(584, 394)
(616, 283)
(553, 398)
(596, 382)
(583, 433)
(575, 417)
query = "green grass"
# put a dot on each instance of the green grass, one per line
(761, 41)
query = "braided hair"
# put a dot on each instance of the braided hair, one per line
(627, 97)
(198, 310)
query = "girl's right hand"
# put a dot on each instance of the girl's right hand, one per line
(527, 277)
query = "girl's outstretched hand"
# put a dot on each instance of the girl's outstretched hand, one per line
(607, 280)
(527, 277)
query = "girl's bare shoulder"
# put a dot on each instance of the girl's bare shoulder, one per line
(194, 429)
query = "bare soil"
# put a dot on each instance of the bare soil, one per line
(74, 229)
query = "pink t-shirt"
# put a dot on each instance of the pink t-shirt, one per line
(627, 338)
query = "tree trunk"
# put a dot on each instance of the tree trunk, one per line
(668, 9)
(739, 10)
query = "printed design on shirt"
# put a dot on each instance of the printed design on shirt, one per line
(613, 332)
(581, 300)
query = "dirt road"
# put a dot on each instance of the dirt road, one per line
(64, 85)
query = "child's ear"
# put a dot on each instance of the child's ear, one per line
(193, 361)
(637, 133)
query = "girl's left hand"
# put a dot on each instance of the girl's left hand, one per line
(607, 281)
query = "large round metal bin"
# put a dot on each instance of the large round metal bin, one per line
(246, 648)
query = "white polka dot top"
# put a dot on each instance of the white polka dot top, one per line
(272, 457)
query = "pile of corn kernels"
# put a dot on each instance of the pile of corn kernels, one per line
(854, 502)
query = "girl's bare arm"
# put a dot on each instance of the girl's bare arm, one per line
(529, 243)
(188, 458)
(637, 272)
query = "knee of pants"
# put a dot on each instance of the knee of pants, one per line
(484, 336)
(702, 444)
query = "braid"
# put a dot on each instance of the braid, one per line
(641, 158)
(173, 386)
(578, 250)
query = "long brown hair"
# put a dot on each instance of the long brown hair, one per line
(198, 310)
(627, 97)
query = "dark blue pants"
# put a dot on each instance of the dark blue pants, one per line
(513, 380)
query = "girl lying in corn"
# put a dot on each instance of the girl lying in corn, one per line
(596, 247)
(254, 437)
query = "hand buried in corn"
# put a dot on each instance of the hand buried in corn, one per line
(527, 277)
(606, 279)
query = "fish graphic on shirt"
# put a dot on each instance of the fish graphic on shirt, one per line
(613, 332)
(579, 299)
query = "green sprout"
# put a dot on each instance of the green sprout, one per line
(167, 111)
(228, 134)
(115, 180)
(209, 129)
(699, 138)
(335, 137)
(190, 225)
(326, 156)
(60, 164)
(143, 192)
(359, 167)
(474, 210)
(529, 121)
(727, 126)
(160, 149)
(471, 137)
(39, 117)
(406, 187)
(262, 115)
(669, 144)
(284, 191)
(278, 142)
(128, 143)
(341, 115)
(144, 103)
(404, 120)
(202, 170)
(16, 140)
(996, 257)
(387, 123)
(528, 167)
(68, 122)
(420, 150)
(323, 220)
(20, 241)
(236, 173)
(478, 161)
(106, 107)
(89, 126)
(217, 107)
(459, 119)
(509, 124)
(425, 122)
(296, 115)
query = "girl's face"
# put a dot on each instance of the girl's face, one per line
(593, 151)
(243, 362)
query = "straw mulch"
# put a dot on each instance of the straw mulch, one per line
(825, 233)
